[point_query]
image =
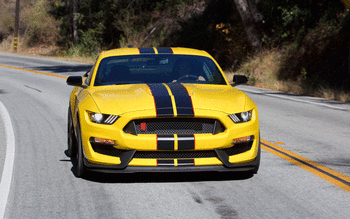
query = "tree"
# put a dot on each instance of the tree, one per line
(75, 23)
(246, 9)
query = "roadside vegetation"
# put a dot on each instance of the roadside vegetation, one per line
(295, 46)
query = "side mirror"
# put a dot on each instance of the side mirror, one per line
(75, 81)
(86, 74)
(239, 79)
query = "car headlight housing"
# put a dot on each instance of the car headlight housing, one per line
(102, 118)
(241, 117)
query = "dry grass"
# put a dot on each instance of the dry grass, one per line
(331, 94)
(52, 52)
(7, 45)
(263, 68)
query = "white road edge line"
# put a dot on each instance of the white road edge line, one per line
(9, 160)
(294, 99)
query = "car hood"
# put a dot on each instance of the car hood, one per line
(120, 99)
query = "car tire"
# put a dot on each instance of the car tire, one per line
(72, 141)
(256, 168)
(80, 167)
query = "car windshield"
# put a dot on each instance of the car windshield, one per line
(157, 68)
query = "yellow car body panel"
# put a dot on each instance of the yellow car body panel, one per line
(138, 104)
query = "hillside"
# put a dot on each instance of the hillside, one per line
(300, 46)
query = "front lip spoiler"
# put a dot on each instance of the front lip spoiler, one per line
(125, 159)
(127, 156)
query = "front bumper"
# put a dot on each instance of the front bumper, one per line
(129, 153)
(122, 168)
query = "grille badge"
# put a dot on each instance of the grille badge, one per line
(143, 126)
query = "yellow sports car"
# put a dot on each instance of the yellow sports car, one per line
(161, 109)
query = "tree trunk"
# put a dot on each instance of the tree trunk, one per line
(253, 6)
(249, 23)
(349, 64)
(75, 23)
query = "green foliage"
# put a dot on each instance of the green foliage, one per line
(130, 23)
(292, 19)
(288, 20)
(88, 46)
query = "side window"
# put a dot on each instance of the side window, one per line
(88, 80)
(206, 70)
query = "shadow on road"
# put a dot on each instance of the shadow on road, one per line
(165, 177)
(63, 68)
(150, 177)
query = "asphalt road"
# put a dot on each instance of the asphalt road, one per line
(43, 184)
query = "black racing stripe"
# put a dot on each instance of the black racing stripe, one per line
(165, 142)
(166, 162)
(147, 50)
(162, 99)
(183, 100)
(185, 162)
(165, 50)
(186, 142)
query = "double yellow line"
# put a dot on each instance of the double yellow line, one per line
(330, 175)
(33, 71)
(324, 172)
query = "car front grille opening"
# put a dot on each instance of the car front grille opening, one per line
(239, 148)
(174, 126)
(174, 154)
(106, 149)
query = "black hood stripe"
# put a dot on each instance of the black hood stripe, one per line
(162, 100)
(183, 100)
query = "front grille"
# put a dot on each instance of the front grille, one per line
(174, 126)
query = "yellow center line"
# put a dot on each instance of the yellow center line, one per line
(36, 72)
(326, 173)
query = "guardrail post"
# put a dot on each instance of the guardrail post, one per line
(15, 39)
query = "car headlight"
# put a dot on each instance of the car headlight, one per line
(241, 117)
(102, 118)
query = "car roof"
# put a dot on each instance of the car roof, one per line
(153, 50)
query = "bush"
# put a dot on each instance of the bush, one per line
(88, 47)
(40, 26)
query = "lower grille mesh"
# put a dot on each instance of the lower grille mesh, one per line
(174, 154)
(174, 126)
(106, 150)
(239, 148)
